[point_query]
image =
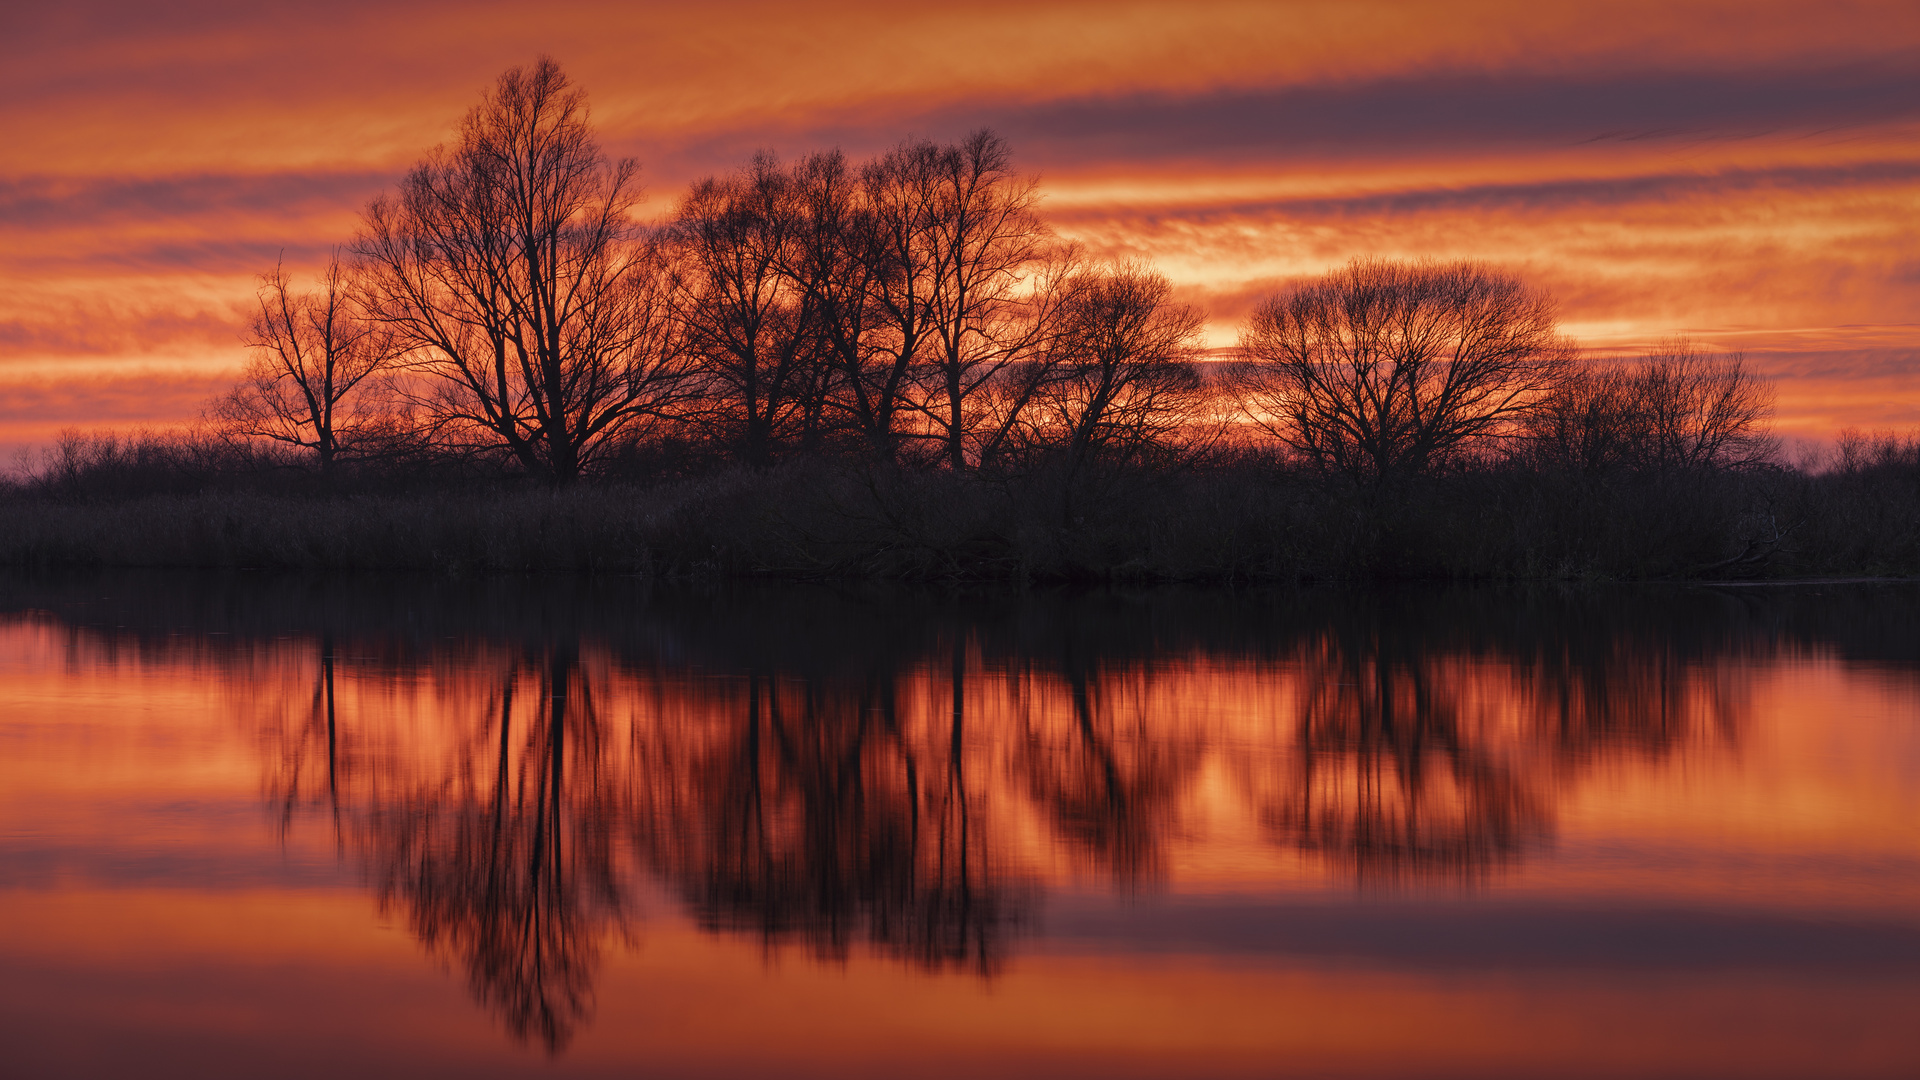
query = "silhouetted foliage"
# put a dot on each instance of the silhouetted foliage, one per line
(750, 322)
(1119, 383)
(885, 305)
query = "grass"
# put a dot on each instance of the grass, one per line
(819, 519)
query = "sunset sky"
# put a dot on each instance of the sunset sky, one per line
(1747, 173)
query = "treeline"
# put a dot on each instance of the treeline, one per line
(892, 366)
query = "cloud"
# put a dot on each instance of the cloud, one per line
(45, 203)
(1556, 195)
(1721, 165)
(1383, 119)
(33, 411)
(193, 225)
(211, 84)
(1390, 117)
(102, 331)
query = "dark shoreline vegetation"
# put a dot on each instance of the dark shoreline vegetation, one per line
(893, 369)
(1231, 521)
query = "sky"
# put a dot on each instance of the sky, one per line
(1746, 174)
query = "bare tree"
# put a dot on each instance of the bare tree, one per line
(829, 261)
(914, 276)
(1586, 425)
(884, 330)
(839, 259)
(511, 268)
(987, 238)
(1119, 383)
(1676, 409)
(1698, 410)
(749, 322)
(305, 384)
(1857, 452)
(1381, 370)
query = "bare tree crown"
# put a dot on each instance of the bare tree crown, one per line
(314, 364)
(913, 308)
(1381, 370)
(1675, 409)
(512, 269)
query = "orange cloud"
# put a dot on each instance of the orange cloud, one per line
(1744, 172)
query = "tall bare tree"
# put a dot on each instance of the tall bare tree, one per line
(510, 266)
(987, 238)
(1586, 425)
(914, 273)
(1382, 369)
(856, 263)
(1121, 381)
(748, 321)
(306, 383)
(892, 240)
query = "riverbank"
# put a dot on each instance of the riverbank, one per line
(821, 520)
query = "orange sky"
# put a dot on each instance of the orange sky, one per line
(1744, 172)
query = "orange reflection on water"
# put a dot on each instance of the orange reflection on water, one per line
(1076, 835)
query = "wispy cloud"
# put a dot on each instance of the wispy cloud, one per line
(1737, 166)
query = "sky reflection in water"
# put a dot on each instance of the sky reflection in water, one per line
(837, 831)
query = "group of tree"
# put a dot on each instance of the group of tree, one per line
(912, 309)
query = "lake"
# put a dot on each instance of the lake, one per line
(347, 827)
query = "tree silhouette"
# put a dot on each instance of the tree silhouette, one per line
(986, 238)
(510, 267)
(310, 380)
(1381, 369)
(750, 325)
(1117, 388)
(1677, 409)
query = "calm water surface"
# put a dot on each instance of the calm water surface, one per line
(319, 827)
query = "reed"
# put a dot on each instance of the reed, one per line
(1235, 520)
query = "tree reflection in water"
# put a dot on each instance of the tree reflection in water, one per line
(504, 859)
(1107, 772)
(1389, 779)
(802, 808)
(306, 749)
(494, 835)
(841, 775)
(1424, 748)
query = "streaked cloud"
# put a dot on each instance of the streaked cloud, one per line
(1744, 172)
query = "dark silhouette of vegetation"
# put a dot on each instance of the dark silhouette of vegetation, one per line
(1382, 371)
(1678, 409)
(891, 367)
(510, 268)
(1119, 384)
(313, 381)
(751, 324)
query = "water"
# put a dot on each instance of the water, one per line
(312, 827)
